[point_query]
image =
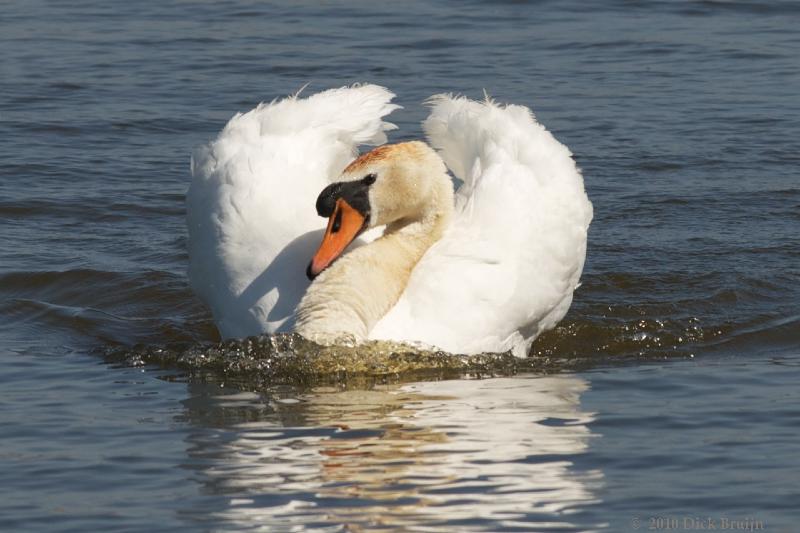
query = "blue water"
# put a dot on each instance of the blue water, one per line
(684, 118)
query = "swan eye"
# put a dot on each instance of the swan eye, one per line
(337, 222)
(369, 179)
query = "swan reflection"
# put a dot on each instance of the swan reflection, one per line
(474, 454)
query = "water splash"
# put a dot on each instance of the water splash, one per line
(290, 359)
(267, 360)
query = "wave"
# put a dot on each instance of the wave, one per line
(96, 307)
(617, 316)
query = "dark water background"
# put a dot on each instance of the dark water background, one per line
(685, 119)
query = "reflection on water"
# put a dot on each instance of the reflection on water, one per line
(480, 454)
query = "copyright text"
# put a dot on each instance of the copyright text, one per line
(697, 523)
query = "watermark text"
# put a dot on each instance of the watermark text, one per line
(697, 523)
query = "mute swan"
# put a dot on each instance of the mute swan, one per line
(486, 268)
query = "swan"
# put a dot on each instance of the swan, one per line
(402, 256)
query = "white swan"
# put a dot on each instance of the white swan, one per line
(485, 269)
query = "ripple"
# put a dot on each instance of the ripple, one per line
(687, 137)
(95, 308)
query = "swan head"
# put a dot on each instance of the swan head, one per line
(391, 183)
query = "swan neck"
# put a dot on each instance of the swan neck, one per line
(349, 298)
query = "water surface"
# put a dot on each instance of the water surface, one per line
(684, 119)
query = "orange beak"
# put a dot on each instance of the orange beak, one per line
(344, 226)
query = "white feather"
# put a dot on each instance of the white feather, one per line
(250, 206)
(506, 269)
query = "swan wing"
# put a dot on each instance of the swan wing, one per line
(507, 267)
(250, 206)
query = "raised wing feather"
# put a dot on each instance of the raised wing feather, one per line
(507, 267)
(250, 206)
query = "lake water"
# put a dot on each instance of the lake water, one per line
(676, 405)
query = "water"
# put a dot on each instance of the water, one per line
(674, 395)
